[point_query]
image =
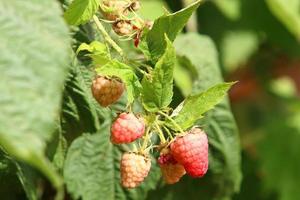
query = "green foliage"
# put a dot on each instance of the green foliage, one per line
(204, 101)
(81, 11)
(92, 170)
(171, 25)
(238, 47)
(99, 52)
(287, 11)
(28, 179)
(48, 104)
(9, 183)
(239, 40)
(276, 154)
(230, 8)
(29, 103)
(184, 74)
(152, 9)
(157, 90)
(219, 124)
(79, 113)
(126, 74)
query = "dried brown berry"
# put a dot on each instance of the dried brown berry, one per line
(107, 90)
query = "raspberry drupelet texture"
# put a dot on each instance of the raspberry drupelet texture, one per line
(126, 128)
(134, 169)
(171, 170)
(107, 90)
(191, 150)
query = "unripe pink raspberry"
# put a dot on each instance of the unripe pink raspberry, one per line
(191, 150)
(126, 128)
(134, 169)
(107, 90)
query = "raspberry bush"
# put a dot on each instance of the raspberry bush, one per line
(111, 117)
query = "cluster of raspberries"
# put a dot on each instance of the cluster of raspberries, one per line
(185, 154)
(117, 12)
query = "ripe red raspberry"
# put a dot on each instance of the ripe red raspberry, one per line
(134, 169)
(107, 90)
(191, 150)
(171, 170)
(126, 128)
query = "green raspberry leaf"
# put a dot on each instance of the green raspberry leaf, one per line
(195, 106)
(78, 108)
(224, 175)
(184, 75)
(98, 52)
(126, 74)
(157, 90)
(34, 63)
(81, 11)
(171, 25)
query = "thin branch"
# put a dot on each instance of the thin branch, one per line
(106, 36)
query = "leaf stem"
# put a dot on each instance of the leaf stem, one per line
(171, 120)
(168, 131)
(160, 133)
(145, 142)
(140, 70)
(107, 37)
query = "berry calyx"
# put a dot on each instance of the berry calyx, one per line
(134, 169)
(172, 171)
(107, 90)
(126, 128)
(191, 150)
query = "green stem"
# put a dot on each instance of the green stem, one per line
(160, 133)
(141, 71)
(106, 36)
(169, 133)
(145, 142)
(171, 120)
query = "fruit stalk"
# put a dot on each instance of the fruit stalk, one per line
(107, 37)
(173, 122)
